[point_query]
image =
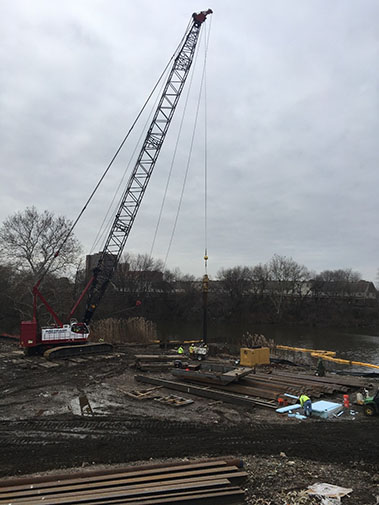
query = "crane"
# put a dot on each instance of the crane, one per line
(55, 339)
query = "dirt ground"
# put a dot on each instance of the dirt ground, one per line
(46, 425)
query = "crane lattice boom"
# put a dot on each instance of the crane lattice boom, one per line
(138, 181)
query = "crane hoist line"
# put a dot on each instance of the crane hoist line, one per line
(53, 338)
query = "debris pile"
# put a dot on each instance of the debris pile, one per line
(256, 340)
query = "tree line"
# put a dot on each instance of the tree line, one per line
(280, 290)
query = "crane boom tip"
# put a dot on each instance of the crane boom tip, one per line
(200, 17)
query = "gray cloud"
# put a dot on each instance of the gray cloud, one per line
(293, 104)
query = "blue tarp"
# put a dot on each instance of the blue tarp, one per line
(320, 408)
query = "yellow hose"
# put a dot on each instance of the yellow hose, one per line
(327, 355)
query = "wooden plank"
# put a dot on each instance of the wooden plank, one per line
(174, 401)
(144, 394)
(85, 406)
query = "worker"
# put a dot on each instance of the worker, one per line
(320, 370)
(180, 350)
(191, 349)
(306, 403)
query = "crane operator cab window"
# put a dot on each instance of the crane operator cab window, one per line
(79, 327)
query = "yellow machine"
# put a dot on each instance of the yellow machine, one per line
(326, 355)
(252, 357)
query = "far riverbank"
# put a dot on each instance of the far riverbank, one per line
(349, 343)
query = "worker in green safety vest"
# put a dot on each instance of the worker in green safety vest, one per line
(306, 403)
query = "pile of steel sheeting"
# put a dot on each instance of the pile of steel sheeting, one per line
(222, 393)
(272, 385)
(260, 388)
(199, 482)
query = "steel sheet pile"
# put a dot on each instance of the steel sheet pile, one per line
(202, 482)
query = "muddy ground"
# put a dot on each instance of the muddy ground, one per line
(43, 428)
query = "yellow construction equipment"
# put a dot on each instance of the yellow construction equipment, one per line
(326, 355)
(252, 357)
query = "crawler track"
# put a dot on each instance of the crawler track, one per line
(67, 351)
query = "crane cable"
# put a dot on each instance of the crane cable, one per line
(115, 155)
(109, 216)
(174, 154)
(206, 154)
(188, 159)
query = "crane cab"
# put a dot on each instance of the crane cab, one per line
(68, 333)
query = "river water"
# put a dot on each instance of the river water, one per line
(351, 344)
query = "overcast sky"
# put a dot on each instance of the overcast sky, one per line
(293, 125)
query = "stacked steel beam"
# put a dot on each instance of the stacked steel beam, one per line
(259, 389)
(202, 482)
(222, 393)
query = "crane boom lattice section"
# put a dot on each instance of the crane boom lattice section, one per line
(142, 171)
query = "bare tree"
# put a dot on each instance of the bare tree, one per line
(8, 313)
(286, 280)
(29, 241)
(340, 275)
(260, 275)
(138, 273)
(177, 275)
(236, 282)
(336, 283)
(143, 263)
